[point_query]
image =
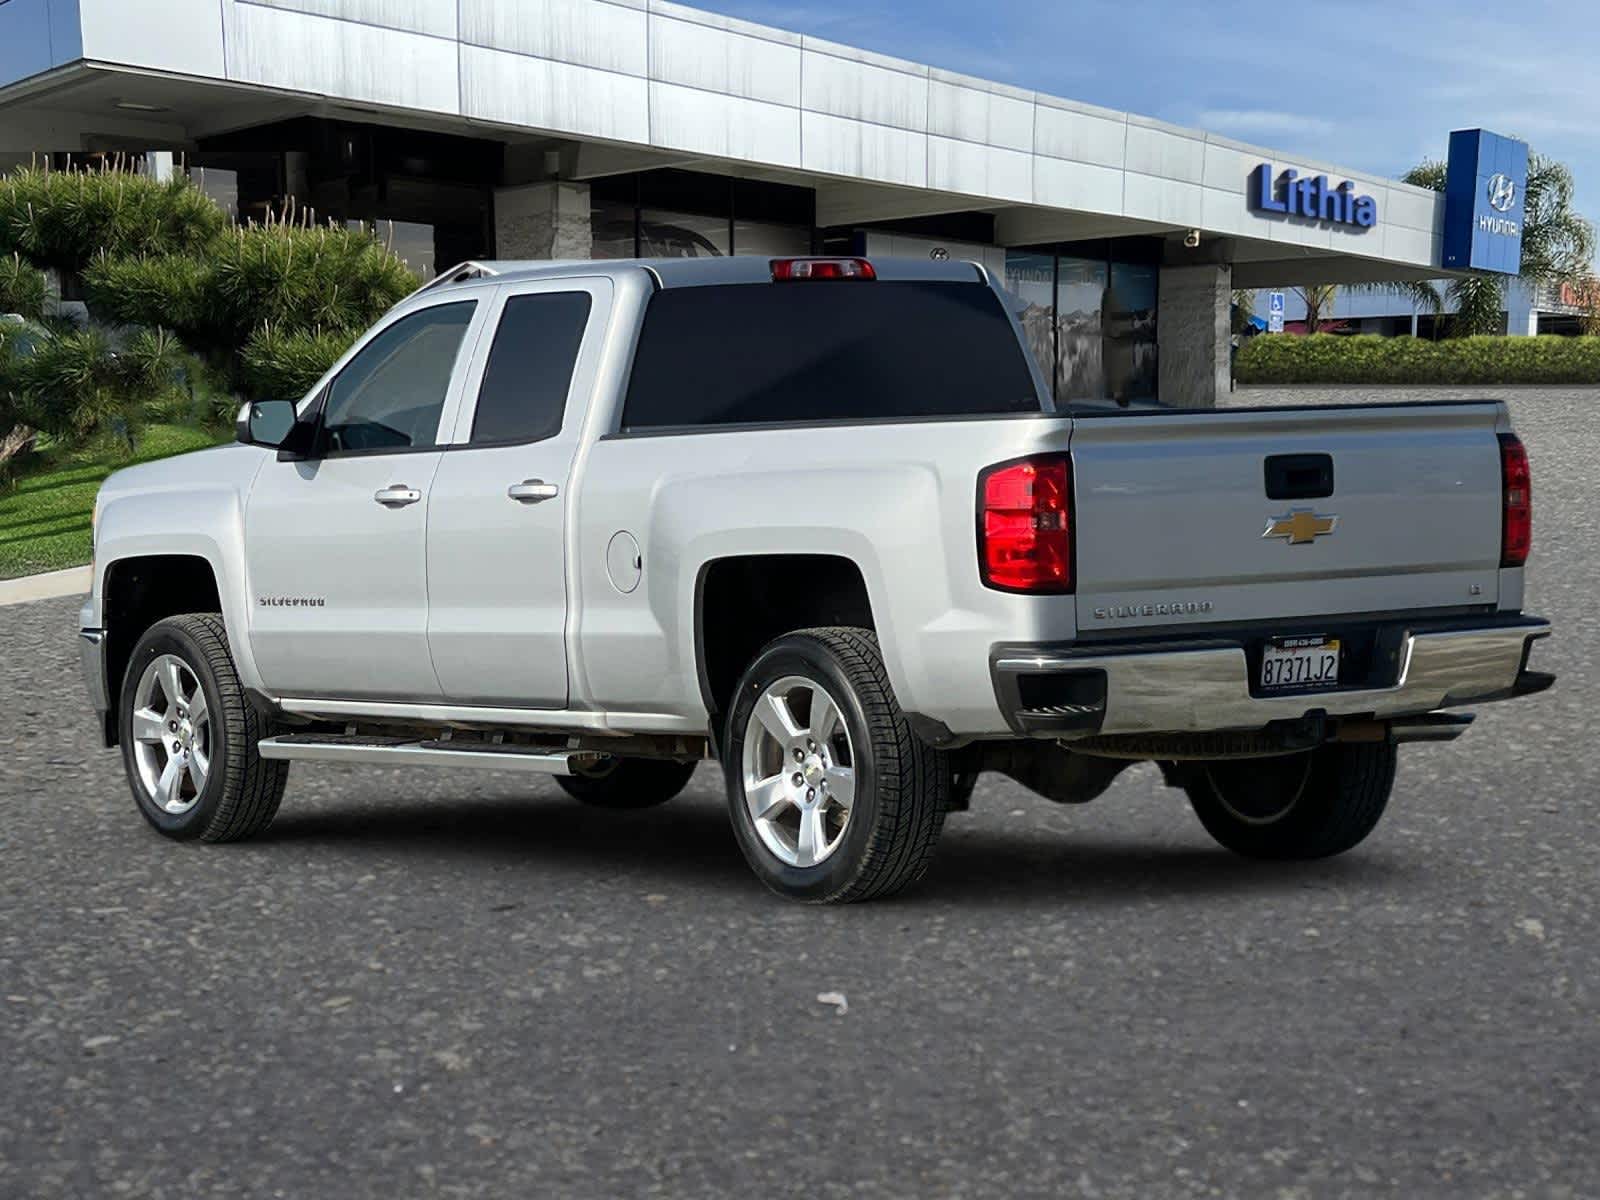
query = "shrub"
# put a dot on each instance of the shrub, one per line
(65, 219)
(309, 287)
(287, 276)
(1329, 358)
(77, 385)
(263, 310)
(22, 288)
(282, 366)
(165, 289)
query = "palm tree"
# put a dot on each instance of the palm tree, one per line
(1558, 246)
(1318, 299)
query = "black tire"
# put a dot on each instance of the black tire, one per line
(901, 783)
(629, 783)
(1302, 806)
(241, 790)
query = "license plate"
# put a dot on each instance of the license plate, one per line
(1300, 662)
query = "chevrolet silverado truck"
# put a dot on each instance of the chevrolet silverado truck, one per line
(818, 520)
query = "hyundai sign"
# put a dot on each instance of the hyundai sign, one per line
(1483, 202)
(1311, 198)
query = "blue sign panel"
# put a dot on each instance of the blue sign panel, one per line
(1483, 202)
(1311, 198)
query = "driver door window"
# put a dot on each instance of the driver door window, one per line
(390, 396)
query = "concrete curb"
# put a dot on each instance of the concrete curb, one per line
(74, 581)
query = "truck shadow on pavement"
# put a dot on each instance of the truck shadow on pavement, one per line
(688, 844)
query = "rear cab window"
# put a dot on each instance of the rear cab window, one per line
(523, 397)
(788, 353)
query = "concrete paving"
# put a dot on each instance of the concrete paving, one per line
(424, 985)
(74, 581)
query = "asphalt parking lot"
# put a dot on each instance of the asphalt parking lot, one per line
(419, 985)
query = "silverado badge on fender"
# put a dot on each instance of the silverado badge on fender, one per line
(1300, 527)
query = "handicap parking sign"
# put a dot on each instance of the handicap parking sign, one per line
(1274, 312)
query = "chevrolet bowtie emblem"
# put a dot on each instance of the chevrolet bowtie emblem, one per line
(1300, 527)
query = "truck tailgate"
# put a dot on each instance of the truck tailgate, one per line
(1175, 525)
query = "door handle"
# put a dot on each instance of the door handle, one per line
(397, 495)
(533, 491)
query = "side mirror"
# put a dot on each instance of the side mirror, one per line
(265, 423)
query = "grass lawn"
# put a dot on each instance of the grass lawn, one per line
(44, 516)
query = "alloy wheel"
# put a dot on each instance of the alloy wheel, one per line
(799, 772)
(172, 734)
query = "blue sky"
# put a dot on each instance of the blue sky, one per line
(1373, 86)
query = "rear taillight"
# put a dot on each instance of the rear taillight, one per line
(1516, 505)
(795, 270)
(1025, 525)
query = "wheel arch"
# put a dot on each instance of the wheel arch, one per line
(139, 590)
(744, 601)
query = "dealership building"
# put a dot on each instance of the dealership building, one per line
(538, 129)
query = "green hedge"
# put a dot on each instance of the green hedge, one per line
(1329, 358)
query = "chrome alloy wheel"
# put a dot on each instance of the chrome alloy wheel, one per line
(799, 772)
(172, 734)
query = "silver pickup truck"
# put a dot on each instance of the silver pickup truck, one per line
(818, 520)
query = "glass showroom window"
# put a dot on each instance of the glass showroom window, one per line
(1130, 346)
(414, 243)
(1031, 279)
(1090, 319)
(221, 185)
(665, 234)
(684, 214)
(766, 238)
(613, 226)
(1080, 329)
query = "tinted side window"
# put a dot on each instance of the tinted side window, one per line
(826, 351)
(524, 392)
(391, 394)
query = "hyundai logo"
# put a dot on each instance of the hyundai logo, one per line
(1502, 193)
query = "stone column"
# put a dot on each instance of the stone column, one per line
(1192, 332)
(543, 221)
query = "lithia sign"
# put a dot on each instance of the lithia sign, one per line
(1311, 198)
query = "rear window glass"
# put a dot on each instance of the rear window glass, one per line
(790, 352)
(524, 392)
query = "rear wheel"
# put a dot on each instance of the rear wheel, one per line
(832, 796)
(189, 736)
(1299, 806)
(628, 783)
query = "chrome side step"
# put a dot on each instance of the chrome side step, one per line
(393, 752)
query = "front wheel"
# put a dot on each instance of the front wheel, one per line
(189, 736)
(833, 798)
(1300, 806)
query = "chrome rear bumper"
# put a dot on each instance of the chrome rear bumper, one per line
(1201, 686)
